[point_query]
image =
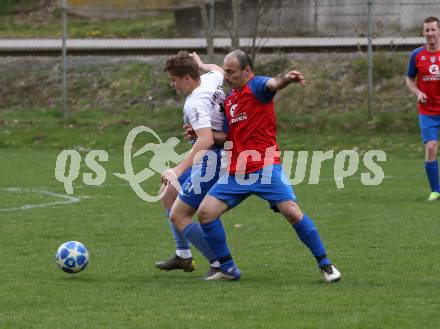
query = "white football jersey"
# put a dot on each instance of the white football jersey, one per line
(204, 106)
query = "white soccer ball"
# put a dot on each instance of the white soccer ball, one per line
(72, 257)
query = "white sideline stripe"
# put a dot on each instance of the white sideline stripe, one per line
(69, 199)
(101, 186)
(349, 177)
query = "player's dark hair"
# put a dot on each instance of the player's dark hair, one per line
(432, 19)
(182, 64)
(243, 58)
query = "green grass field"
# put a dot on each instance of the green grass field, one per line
(384, 239)
(47, 23)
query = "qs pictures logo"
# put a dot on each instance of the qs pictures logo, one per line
(163, 154)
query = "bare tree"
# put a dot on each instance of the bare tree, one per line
(258, 25)
(207, 27)
(259, 8)
(235, 35)
(261, 30)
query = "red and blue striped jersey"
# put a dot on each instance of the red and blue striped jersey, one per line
(424, 65)
(252, 127)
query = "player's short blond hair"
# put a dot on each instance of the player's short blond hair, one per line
(182, 64)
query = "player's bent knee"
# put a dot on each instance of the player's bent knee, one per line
(203, 215)
(179, 220)
(291, 211)
(431, 150)
(207, 214)
(174, 218)
(168, 197)
(210, 209)
(432, 146)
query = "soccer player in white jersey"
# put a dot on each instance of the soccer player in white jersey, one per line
(199, 170)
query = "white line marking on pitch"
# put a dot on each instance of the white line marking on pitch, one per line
(350, 177)
(68, 199)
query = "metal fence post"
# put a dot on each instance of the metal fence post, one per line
(315, 18)
(370, 59)
(64, 55)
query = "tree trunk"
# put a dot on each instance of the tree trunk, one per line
(235, 40)
(206, 27)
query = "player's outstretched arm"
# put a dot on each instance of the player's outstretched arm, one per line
(206, 67)
(282, 80)
(412, 86)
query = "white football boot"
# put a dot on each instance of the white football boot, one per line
(330, 273)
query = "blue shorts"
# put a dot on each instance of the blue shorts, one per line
(429, 127)
(269, 183)
(199, 179)
(184, 176)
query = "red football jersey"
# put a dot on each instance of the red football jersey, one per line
(425, 65)
(252, 127)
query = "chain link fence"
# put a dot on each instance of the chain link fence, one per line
(275, 30)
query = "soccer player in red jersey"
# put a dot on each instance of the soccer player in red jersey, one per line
(255, 166)
(423, 79)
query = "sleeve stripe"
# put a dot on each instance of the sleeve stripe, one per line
(412, 69)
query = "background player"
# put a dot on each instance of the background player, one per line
(423, 79)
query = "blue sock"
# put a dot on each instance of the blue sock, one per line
(216, 237)
(181, 242)
(309, 235)
(195, 235)
(432, 173)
